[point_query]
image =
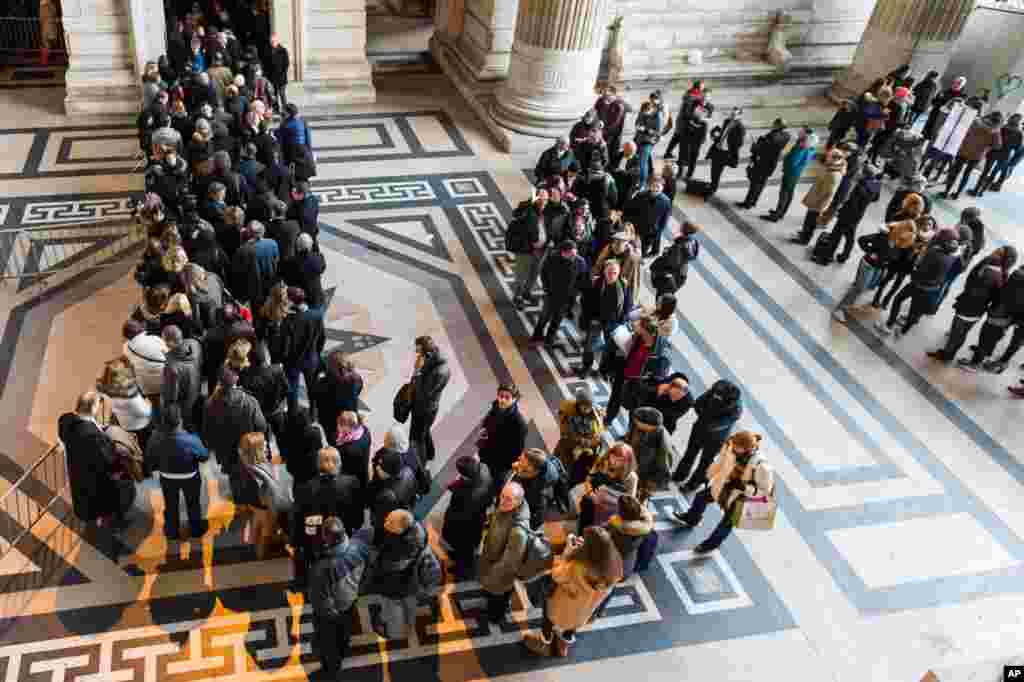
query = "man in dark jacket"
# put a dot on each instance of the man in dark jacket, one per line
(90, 462)
(561, 276)
(670, 270)
(304, 270)
(283, 231)
(305, 330)
(923, 94)
(649, 212)
(692, 133)
(726, 141)
(865, 192)
(277, 70)
(670, 396)
(269, 385)
(542, 479)
(305, 208)
(926, 282)
(467, 510)
(502, 435)
(183, 375)
(333, 589)
(230, 414)
(554, 160)
(718, 410)
(392, 487)
(765, 154)
(431, 378)
(556, 218)
(332, 493)
(254, 267)
(530, 257)
(177, 454)
(611, 110)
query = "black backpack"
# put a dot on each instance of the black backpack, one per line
(516, 238)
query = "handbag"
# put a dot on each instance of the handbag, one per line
(757, 513)
(403, 402)
(622, 337)
(538, 557)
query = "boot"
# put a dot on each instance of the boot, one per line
(536, 643)
(562, 645)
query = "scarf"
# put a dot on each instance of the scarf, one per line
(345, 437)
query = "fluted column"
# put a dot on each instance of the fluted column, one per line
(921, 33)
(485, 42)
(555, 58)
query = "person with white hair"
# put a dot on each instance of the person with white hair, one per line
(554, 160)
(305, 270)
(504, 549)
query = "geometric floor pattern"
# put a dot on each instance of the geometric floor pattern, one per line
(899, 543)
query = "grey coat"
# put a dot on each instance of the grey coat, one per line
(504, 549)
(183, 379)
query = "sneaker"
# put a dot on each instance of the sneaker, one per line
(954, 196)
(704, 548)
(939, 355)
(839, 315)
(680, 518)
(994, 367)
(882, 328)
(1018, 391)
(966, 365)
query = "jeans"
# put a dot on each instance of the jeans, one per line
(331, 638)
(550, 318)
(895, 277)
(958, 165)
(644, 153)
(867, 276)
(717, 168)
(957, 336)
(695, 513)
(307, 369)
(191, 488)
(918, 302)
(419, 435)
(785, 200)
(595, 329)
(704, 443)
(528, 267)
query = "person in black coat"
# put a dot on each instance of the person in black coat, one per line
(305, 208)
(305, 269)
(231, 328)
(303, 439)
(726, 141)
(670, 396)
(90, 460)
(670, 270)
(207, 253)
(867, 191)
(431, 378)
(765, 154)
(467, 511)
(718, 409)
(269, 385)
(307, 335)
(392, 487)
(649, 211)
(278, 62)
(354, 441)
(284, 232)
(335, 391)
(560, 276)
(331, 493)
(502, 435)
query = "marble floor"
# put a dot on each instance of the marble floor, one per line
(898, 548)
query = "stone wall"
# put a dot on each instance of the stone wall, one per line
(975, 58)
(733, 35)
(101, 76)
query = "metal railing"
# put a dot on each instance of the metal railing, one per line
(33, 40)
(31, 496)
(31, 255)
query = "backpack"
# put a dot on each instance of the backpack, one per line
(128, 464)
(338, 598)
(429, 572)
(516, 237)
(538, 557)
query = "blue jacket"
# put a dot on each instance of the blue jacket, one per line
(267, 256)
(178, 452)
(338, 563)
(793, 165)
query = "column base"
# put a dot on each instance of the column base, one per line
(101, 94)
(343, 84)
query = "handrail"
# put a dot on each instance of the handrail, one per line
(14, 497)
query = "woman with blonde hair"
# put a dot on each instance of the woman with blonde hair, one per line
(238, 355)
(269, 324)
(154, 302)
(612, 476)
(581, 580)
(133, 411)
(178, 311)
(262, 494)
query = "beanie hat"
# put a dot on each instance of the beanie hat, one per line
(468, 466)
(391, 463)
(648, 416)
(901, 92)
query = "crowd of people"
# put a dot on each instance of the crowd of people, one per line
(230, 326)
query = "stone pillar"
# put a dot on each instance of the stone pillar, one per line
(555, 61)
(332, 45)
(921, 33)
(485, 44)
(101, 71)
(149, 32)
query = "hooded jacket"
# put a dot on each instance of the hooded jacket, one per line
(504, 549)
(627, 536)
(505, 438)
(654, 452)
(982, 136)
(536, 487)
(935, 264)
(183, 378)
(826, 184)
(981, 290)
(429, 383)
(396, 575)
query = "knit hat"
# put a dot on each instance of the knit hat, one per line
(468, 466)
(648, 416)
(390, 463)
(585, 395)
(901, 92)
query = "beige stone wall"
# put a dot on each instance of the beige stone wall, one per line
(101, 75)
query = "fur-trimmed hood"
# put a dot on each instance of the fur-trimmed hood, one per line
(637, 528)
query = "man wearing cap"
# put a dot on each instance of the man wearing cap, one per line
(554, 160)
(765, 154)
(561, 275)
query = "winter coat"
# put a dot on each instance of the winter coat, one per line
(652, 447)
(574, 599)
(648, 211)
(278, 64)
(826, 184)
(299, 446)
(89, 454)
(148, 357)
(632, 264)
(577, 431)
(504, 549)
(981, 291)
(1011, 297)
(646, 395)
(540, 488)
(766, 153)
(228, 418)
(923, 94)
(268, 384)
(505, 438)
(648, 127)
(212, 258)
(307, 336)
(304, 270)
(183, 378)
(550, 163)
(730, 155)
(430, 382)
(560, 277)
(324, 496)
(981, 137)
(904, 149)
(176, 452)
(385, 495)
(628, 536)
(716, 416)
(307, 213)
(865, 193)
(285, 233)
(355, 458)
(556, 222)
(935, 264)
(1012, 138)
(395, 574)
(253, 270)
(670, 269)
(793, 165)
(467, 509)
(332, 394)
(335, 566)
(757, 477)
(612, 113)
(908, 202)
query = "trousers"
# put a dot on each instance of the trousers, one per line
(695, 513)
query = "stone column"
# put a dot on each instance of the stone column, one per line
(555, 60)
(149, 32)
(101, 71)
(921, 33)
(332, 47)
(485, 44)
